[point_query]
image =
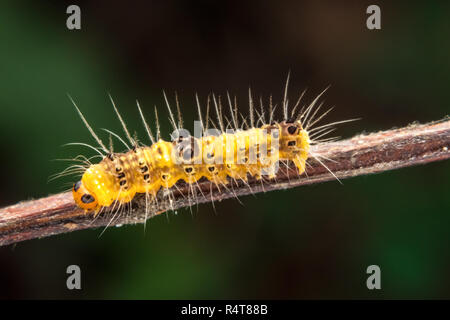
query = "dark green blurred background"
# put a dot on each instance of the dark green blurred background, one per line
(309, 242)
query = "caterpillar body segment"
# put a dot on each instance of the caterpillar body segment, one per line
(218, 158)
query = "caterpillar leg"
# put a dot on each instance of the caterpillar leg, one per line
(96, 212)
(270, 171)
(300, 163)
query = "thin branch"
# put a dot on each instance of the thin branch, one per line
(360, 155)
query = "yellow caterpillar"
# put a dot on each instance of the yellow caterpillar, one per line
(118, 177)
(235, 154)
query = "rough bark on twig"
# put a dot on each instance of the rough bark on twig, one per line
(360, 155)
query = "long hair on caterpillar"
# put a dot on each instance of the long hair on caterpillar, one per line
(226, 152)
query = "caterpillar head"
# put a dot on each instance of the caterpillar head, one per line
(96, 187)
(83, 198)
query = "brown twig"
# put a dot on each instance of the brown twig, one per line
(360, 155)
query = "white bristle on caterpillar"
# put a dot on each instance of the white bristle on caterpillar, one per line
(240, 147)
